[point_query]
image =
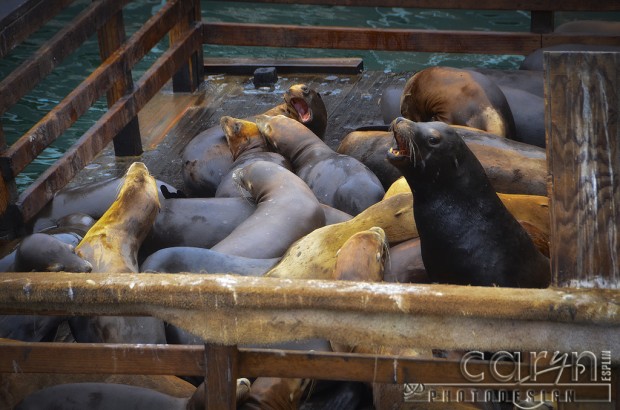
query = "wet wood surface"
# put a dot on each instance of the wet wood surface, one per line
(583, 152)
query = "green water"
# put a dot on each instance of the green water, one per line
(30, 109)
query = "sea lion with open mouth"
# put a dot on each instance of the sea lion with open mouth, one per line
(467, 235)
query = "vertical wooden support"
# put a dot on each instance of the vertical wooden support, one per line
(583, 154)
(111, 35)
(191, 74)
(221, 372)
(11, 221)
(542, 22)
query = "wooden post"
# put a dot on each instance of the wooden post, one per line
(221, 372)
(541, 22)
(190, 75)
(583, 154)
(111, 36)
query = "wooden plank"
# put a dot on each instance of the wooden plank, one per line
(354, 38)
(565, 5)
(23, 151)
(221, 373)
(583, 153)
(195, 360)
(542, 22)
(190, 76)
(111, 37)
(246, 66)
(34, 198)
(20, 18)
(551, 39)
(227, 309)
(24, 78)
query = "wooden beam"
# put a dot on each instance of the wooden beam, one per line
(446, 41)
(17, 24)
(191, 75)
(583, 153)
(227, 309)
(111, 36)
(246, 66)
(34, 198)
(551, 39)
(25, 149)
(542, 22)
(221, 374)
(24, 78)
(566, 5)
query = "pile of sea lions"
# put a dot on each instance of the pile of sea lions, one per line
(452, 190)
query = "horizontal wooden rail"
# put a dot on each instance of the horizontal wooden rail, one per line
(34, 198)
(537, 5)
(189, 360)
(61, 117)
(446, 41)
(25, 20)
(228, 310)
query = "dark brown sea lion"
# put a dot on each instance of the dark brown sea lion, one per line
(207, 158)
(286, 210)
(467, 235)
(405, 265)
(111, 246)
(457, 97)
(246, 145)
(512, 167)
(199, 260)
(337, 180)
(362, 257)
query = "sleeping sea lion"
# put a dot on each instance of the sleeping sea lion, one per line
(459, 97)
(286, 210)
(467, 235)
(111, 246)
(337, 180)
(246, 145)
(207, 158)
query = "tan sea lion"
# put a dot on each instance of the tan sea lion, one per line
(207, 158)
(362, 257)
(467, 235)
(286, 210)
(111, 245)
(337, 180)
(246, 145)
(459, 97)
(316, 253)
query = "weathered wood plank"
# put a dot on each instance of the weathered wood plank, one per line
(583, 152)
(246, 66)
(227, 309)
(568, 5)
(17, 23)
(551, 39)
(221, 364)
(111, 37)
(446, 41)
(101, 133)
(23, 151)
(27, 76)
(189, 77)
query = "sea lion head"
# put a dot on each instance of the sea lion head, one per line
(306, 105)
(41, 252)
(363, 256)
(427, 151)
(241, 135)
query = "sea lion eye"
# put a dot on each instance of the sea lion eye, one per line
(433, 140)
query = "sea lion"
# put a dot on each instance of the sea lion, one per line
(199, 260)
(406, 265)
(286, 210)
(459, 97)
(511, 166)
(337, 180)
(92, 199)
(111, 246)
(315, 254)
(531, 209)
(207, 158)
(246, 145)
(467, 235)
(362, 257)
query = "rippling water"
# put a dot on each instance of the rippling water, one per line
(21, 117)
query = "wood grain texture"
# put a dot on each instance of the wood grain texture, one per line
(583, 152)
(221, 363)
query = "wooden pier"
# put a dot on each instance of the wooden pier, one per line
(155, 117)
